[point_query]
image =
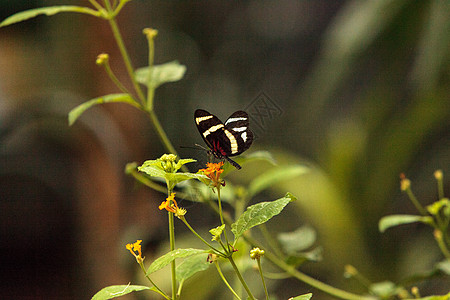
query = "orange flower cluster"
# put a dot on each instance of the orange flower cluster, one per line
(171, 205)
(213, 171)
(135, 249)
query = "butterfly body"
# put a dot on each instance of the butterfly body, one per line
(225, 139)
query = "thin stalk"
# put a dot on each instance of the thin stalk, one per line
(241, 279)
(262, 278)
(416, 202)
(172, 247)
(159, 291)
(162, 135)
(96, 5)
(338, 293)
(114, 78)
(225, 280)
(123, 51)
(440, 240)
(221, 218)
(151, 59)
(202, 239)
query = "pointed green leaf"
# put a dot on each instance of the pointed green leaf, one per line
(302, 297)
(166, 259)
(114, 291)
(75, 113)
(192, 265)
(395, 220)
(258, 214)
(51, 10)
(156, 75)
(273, 176)
(298, 240)
(152, 170)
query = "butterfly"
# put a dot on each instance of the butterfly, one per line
(225, 139)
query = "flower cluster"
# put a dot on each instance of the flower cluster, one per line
(135, 249)
(171, 205)
(213, 171)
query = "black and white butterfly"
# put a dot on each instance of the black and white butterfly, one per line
(224, 140)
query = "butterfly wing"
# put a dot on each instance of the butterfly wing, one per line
(240, 135)
(212, 131)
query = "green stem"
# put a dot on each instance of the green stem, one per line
(162, 134)
(241, 279)
(172, 247)
(114, 78)
(338, 293)
(416, 203)
(440, 240)
(202, 239)
(225, 280)
(123, 51)
(262, 278)
(96, 5)
(158, 290)
(221, 219)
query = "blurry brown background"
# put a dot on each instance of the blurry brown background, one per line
(357, 90)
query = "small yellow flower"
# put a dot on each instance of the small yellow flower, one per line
(213, 171)
(136, 250)
(256, 253)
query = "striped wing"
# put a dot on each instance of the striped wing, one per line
(238, 125)
(229, 139)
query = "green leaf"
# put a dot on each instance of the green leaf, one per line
(156, 75)
(444, 266)
(298, 240)
(192, 265)
(395, 220)
(166, 259)
(75, 113)
(49, 11)
(302, 297)
(258, 214)
(384, 289)
(114, 291)
(274, 176)
(297, 259)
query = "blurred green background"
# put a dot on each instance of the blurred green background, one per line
(357, 90)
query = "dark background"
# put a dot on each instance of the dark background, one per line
(356, 90)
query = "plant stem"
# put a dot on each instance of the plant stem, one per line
(262, 278)
(244, 284)
(221, 218)
(162, 134)
(172, 247)
(225, 280)
(124, 52)
(338, 293)
(202, 239)
(416, 202)
(151, 281)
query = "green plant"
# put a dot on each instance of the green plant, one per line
(285, 252)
